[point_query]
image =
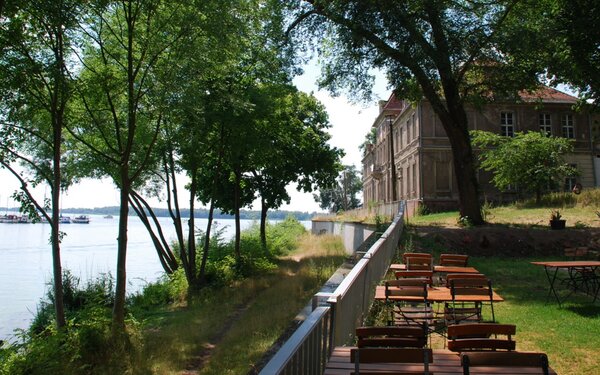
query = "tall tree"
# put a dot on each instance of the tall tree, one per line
(341, 196)
(36, 40)
(291, 147)
(121, 100)
(437, 50)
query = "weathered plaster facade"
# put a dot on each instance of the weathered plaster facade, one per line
(423, 160)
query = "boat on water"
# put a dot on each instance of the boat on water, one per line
(81, 219)
(14, 219)
(109, 216)
(64, 219)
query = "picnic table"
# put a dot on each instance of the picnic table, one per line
(444, 362)
(581, 276)
(438, 269)
(437, 294)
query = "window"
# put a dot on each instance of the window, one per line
(407, 132)
(414, 178)
(570, 181)
(545, 124)
(400, 139)
(507, 127)
(568, 128)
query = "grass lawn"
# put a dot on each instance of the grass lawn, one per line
(227, 331)
(569, 334)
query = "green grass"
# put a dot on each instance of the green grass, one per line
(227, 331)
(568, 334)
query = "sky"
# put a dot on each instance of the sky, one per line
(350, 123)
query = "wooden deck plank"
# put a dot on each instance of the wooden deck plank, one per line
(444, 362)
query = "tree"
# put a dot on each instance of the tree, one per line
(36, 39)
(292, 147)
(443, 51)
(121, 99)
(530, 161)
(571, 55)
(342, 195)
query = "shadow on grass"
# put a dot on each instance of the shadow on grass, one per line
(586, 311)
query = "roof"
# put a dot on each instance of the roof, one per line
(547, 94)
(393, 104)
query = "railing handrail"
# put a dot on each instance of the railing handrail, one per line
(306, 351)
(286, 353)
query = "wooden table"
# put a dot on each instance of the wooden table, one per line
(439, 269)
(437, 294)
(444, 362)
(582, 275)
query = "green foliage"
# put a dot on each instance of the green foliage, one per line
(422, 210)
(558, 199)
(555, 215)
(282, 238)
(486, 210)
(222, 267)
(85, 345)
(342, 195)
(531, 161)
(464, 221)
(167, 290)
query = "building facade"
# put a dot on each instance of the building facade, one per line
(411, 158)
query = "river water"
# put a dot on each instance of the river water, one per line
(87, 250)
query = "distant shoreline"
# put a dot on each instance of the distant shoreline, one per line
(198, 213)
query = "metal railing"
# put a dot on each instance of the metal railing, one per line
(387, 210)
(308, 349)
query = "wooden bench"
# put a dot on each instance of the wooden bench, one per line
(489, 360)
(481, 336)
(391, 336)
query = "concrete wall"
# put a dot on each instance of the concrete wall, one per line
(353, 234)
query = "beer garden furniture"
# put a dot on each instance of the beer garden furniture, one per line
(580, 276)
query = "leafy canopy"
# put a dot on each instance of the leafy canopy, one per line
(531, 161)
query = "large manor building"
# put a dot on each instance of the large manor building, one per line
(423, 158)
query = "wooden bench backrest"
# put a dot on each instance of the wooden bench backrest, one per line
(481, 336)
(407, 287)
(453, 276)
(504, 359)
(417, 262)
(418, 255)
(391, 355)
(391, 336)
(415, 274)
(457, 260)
(470, 286)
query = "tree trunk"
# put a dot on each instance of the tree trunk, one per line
(59, 307)
(202, 276)
(121, 276)
(192, 233)
(236, 208)
(456, 127)
(263, 225)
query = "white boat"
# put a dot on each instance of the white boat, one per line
(81, 219)
(14, 219)
(109, 216)
(64, 219)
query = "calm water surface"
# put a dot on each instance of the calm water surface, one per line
(87, 250)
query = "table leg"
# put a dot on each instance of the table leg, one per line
(551, 280)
